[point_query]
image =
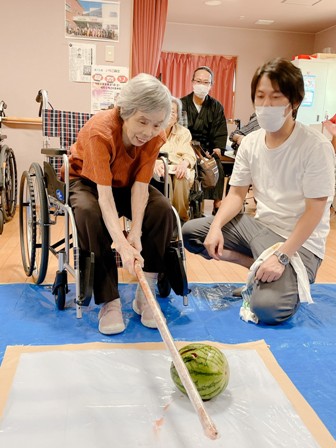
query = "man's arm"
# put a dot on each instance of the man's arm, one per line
(237, 135)
(230, 207)
(271, 269)
(331, 127)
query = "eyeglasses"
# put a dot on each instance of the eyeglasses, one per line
(200, 81)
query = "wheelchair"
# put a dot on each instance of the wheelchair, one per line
(196, 197)
(8, 177)
(196, 194)
(44, 199)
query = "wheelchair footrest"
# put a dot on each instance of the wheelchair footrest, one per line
(175, 271)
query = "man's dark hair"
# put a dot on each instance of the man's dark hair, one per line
(285, 76)
(207, 69)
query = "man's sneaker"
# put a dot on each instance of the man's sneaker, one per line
(110, 318)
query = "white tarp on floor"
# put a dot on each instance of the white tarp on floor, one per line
(125, 398)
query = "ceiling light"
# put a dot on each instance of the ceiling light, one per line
(264, 22)
(301, 2)
(213, 3)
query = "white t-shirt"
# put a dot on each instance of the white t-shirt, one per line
(302, 167)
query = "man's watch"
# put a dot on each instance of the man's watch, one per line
(283, 258)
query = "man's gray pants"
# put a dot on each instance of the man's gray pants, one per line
(271, 302)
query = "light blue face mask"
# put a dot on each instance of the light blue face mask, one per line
(271, 118)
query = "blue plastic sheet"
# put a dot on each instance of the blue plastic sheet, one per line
(305, 346)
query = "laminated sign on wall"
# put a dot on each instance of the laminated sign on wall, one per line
(106, 83)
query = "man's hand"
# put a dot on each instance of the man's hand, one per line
(330, 127)
(270, 270)
(214, 151)
(238, 138)
(214, 243)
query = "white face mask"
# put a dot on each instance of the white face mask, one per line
(271, 118)
(201, 90)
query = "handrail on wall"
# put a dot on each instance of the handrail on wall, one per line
(21, 121)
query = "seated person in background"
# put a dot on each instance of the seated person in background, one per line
(330, 126)
(237, 135)
(111, 165)
(207, 124)
(291, 167)
(181, 159)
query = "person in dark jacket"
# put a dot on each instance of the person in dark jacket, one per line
(238, 134)
(207, 124)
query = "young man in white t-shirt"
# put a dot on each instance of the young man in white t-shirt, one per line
(291, 167)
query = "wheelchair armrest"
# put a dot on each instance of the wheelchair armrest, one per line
(50, 152)
(56, 188)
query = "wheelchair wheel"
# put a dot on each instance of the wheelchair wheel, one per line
(60, 289)
(8, 182)
(60, 297)
(42, 224)
(27, 215)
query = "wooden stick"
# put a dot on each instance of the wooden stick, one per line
(193, 394)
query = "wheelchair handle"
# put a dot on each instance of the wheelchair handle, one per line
(3, 106)
(42, 98)
(38, 98)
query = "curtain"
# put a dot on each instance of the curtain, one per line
(176, 70)
(149, 24)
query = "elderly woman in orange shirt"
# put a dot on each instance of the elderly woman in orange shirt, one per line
(181, 159)
(111, 165)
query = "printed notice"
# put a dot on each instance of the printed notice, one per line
(106, 83)
(81, 59)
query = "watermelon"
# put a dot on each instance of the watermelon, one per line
(208, 368)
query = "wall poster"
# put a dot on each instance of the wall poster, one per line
(95, 20)
(81, 58)
(309, 86)
(106, 83)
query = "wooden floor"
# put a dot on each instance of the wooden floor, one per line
(198, 269)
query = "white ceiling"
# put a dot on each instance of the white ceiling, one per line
(304, 16)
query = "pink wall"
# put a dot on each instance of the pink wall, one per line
(34, 55)
(325, 39)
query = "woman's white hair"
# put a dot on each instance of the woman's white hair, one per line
(178, 103)
(144, 93)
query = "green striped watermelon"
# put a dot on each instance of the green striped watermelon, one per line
(208, 368)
